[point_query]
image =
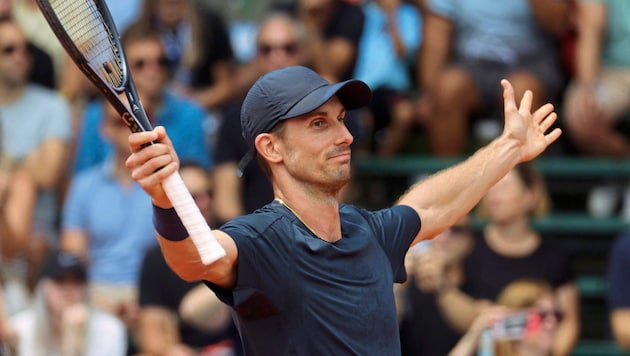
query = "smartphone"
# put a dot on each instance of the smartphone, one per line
(516, 325)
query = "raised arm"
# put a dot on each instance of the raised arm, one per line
(444, 198)
(150, 165)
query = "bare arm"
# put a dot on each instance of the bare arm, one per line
(552, 15)
(204, 310)
(158, 332)
(48, 162)
(222, 89)
(619, 320)
(331, 57)
(16, 212)
(74, 241)
(435, 49)
(569, 328)
(591, 23)
(447, 196)
(150, 166)
(227, 192)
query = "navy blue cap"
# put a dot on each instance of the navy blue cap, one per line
(290, 92)
(61, 264)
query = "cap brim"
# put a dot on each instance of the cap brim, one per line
(353, 94)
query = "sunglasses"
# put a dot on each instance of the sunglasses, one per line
(140, 64)
(459, 230)
(200, 195)
(288, 48)
(9, 50)
(547, 314)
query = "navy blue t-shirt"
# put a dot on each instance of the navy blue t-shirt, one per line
(299, 295)
(618, 267)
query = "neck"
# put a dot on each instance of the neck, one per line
(11, 93)
(514, 239)
(320, 215)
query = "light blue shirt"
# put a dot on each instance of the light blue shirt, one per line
(184, 122)
(491, 29)
(117, 221)
(377, 63)
(38, 116)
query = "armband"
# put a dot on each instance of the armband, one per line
(168, 224)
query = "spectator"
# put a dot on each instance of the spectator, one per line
(279, 44)
(619, 291)
(62, 321)
(508, 249)
(105, 222)
(530, 298)
(182, 117)
(333, 31)
(36, 132)
(387, 49)
(469, 46)
(43, 43)
(197, 47)
(424, 331)
(597, 97)
(163, 328)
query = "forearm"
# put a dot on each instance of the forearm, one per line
(619, 320)
(457, 308)
(201, 308)
(447, 196)
(568, 331)
(435, 49)
(588, 46)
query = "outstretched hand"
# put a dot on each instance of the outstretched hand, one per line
(151, 164)
(528, 129)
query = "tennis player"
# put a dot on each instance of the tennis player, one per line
(306, 275)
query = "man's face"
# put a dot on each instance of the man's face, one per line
(277, 45)
(15, 60)
(148, 65)
(316, 147)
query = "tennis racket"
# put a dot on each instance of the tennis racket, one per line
(87, 32)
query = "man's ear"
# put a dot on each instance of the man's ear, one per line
(268, 146)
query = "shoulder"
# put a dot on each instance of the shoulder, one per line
(256, 223)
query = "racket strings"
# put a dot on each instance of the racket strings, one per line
(83, 24)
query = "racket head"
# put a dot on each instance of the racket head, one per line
(87, 32)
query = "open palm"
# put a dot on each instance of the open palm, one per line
(527, 128)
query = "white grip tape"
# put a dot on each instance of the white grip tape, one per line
(208, 247)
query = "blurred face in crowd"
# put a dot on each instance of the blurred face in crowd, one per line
(198, 183)
(278, 44)
(15, 60)
(115, 130)
(149, 66)
(541, 339)
(63, 292)
(508, 200)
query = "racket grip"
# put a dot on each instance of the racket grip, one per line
(208, 247)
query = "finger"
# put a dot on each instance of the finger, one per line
(137, 140)
(543, 112)
(525, 107)
(553, 135)
(548, 121)
(509, 104)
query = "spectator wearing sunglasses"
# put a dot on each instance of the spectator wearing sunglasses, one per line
(524, 323)
(508, 249)
(35, 134)
(181, 116)
(280, 42)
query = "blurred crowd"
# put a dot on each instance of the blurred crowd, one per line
(80, 269)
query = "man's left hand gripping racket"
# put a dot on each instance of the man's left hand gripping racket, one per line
(87, 32)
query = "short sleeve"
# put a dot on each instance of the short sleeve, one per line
(618, 268)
